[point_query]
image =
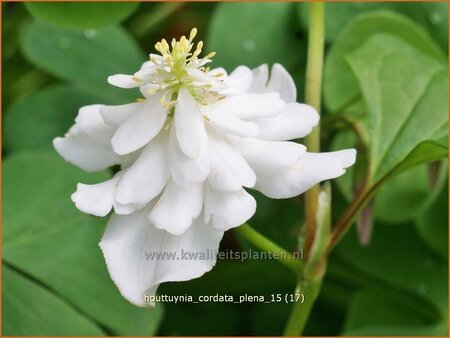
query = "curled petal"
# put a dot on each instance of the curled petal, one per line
(95, 199)
(177, 207)
(85, 152)
(311, 169)
(239, 81)
(295, 121)
(117, 115)
(146, 177)
(260, 79)
(90, 121)
(140, 128)
(227, 209)
(281, 82)
(138, 254)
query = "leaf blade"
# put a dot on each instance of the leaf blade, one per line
(82, 15)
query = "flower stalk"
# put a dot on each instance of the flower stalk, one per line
(316, 238)
(265, 244)
(313, 90)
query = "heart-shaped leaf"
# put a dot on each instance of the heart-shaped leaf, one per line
(85, 57)
(47, 238)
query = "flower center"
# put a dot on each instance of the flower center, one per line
(180, 66)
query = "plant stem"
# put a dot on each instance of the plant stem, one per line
(313, 89)
(265, 244)
(300, 311)
(359, 202)
(310, 277)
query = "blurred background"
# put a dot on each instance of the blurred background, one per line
(56, 57)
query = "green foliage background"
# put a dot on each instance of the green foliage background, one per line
(385, 92)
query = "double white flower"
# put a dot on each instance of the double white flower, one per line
(186, 152)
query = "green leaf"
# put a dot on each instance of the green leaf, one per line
(406, 96)
(403, 197)
(78, 273)
(398, 331)
(31, 310)
(338, 14)
(12, 22)
(247, 33)
(35, 120)
(376, 313)
(58, 246)
(86, 58)
(433, 16)
(43, 182)
(432, 223)
(341, 87)
(398, 257)
(425, 151)
(81, 15)
(375, 307)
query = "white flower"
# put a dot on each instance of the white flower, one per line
(186, 154)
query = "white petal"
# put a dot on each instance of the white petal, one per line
(296, 121)
(228, 209)
(218, 70)
(229, 170)
(177, 207)
(84, 152)
(129, 159)
(189, 125)
(124, 81)
(90, 122)
(95, 199)
(281, 82)
(198, 75)
(140, 128)
(310, 170)
(268, 155)
(239, 81)
(229, 124)
(116, 115)
(246, 106)
(126, 209)
(146, 178)
(260, 79)
(186, 170)
(148, 68)
(134, 249)
(156, 57)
